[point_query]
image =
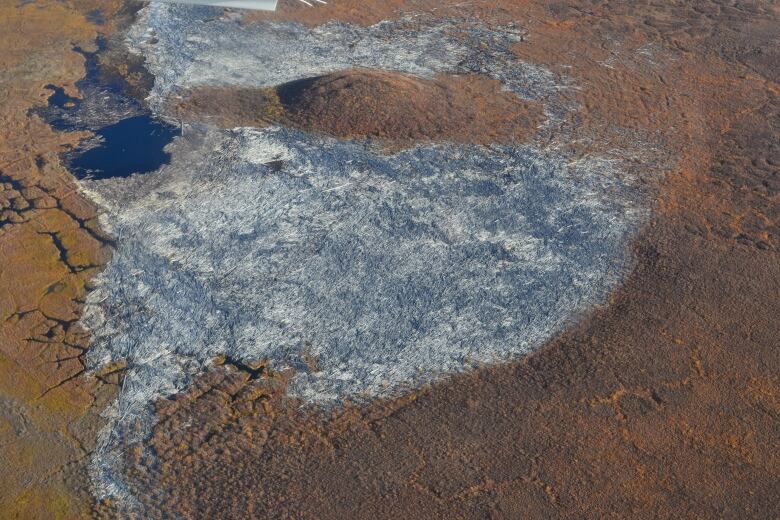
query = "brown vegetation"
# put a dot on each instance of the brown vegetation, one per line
(663, 404)
(50, 246)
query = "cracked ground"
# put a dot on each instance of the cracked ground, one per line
(662, 403)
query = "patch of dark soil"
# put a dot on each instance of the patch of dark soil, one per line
(229, 107)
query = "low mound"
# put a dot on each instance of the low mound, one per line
(395, 108)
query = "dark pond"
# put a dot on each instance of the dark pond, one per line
(133, 145)
(128, 139)
(60, 99)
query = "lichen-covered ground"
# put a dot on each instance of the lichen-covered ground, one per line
(653, 166)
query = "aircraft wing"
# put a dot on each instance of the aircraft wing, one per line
(264, 5)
